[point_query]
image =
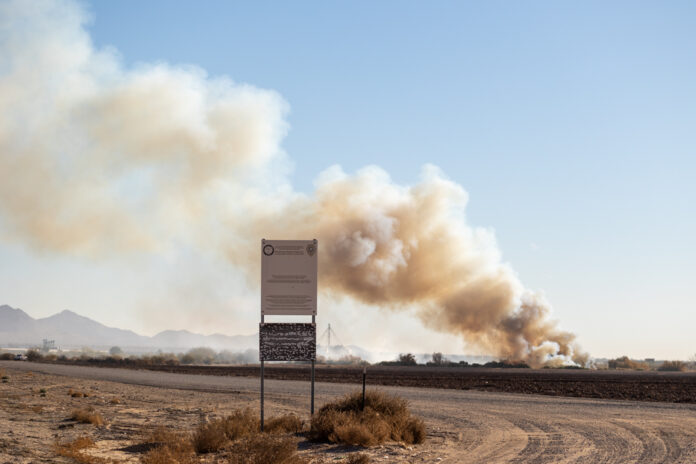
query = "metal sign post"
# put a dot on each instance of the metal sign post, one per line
(288, 288)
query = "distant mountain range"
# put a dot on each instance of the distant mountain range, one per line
(70, 330)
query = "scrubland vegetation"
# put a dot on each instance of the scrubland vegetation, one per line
(208, 356)
(384, 417)
(238, 439)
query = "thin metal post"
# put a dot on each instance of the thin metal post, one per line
(311, 409)
(311, 406)
(364, 377)
(262, 396)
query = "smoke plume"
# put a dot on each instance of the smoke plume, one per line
(98, 159)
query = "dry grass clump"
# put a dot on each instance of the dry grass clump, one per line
(358, 459)
(210, 437)
(114, 401)
(239, 433)
(73, 450)
(241, 423)
(384, 417)
(169, 448)
(264, 449)
(672, 366)
(289, 423)
(87, 416)
(77, 394)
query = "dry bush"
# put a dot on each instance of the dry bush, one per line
(624, 362)
(384, 417)
(167, 455)
(289, 423)
(33, 355)
(73, 450)
(87, 416)
(210, 437)
(77, 394)
(241, 423)
(358, 459)
(169, 448)
(114, 401)
(672, 366)
(264, 449)
(38, 409)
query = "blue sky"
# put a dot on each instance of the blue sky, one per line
(570, 125)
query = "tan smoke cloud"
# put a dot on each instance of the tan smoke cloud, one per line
(392, 246)
(96, 158)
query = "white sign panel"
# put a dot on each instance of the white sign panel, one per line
(289, 277)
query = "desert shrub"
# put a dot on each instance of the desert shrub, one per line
(199, 355)
(210, 437)
(114, 401)
(241, 423)
(384, 417)
(264, 449)
(438, 359)
(34, 355)
(87, 416)
(115, 351)
(6, 356)
(73, 450)
(77, 394)
(358, 459)
(168, 448)
(673, 366)
(288, 423)
(625, 363)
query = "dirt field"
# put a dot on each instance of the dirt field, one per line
(463, 425)
(675, 387)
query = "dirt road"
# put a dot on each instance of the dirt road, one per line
(463, 426)
(673, 387)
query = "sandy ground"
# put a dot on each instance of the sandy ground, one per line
(463, 426)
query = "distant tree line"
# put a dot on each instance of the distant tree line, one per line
(439, 360)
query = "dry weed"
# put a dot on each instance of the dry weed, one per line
(210, 437)
(73, 450)
(114, 401)
(38, 409)
(358, 459)
(672, 366)
(264, 449)
(87, 416)
(289, 423)
(384, 417)
(77, 394)
(241, 423)
(169, 448)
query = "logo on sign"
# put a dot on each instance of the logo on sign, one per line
(311, 249)
(268, 250)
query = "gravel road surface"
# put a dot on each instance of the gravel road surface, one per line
(471, 426)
